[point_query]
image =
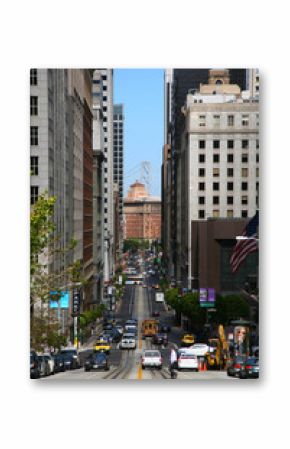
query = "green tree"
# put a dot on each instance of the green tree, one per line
(45, 246)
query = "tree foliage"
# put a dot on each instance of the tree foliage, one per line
(135, 244)
(227, 308)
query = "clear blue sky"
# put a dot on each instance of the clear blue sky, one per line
(141, 92)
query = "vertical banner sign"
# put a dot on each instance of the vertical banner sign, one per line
(76, 301)
(120, 280)
(202, 297)
(76, 311)
(211, 296)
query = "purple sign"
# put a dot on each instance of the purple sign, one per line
(206, 297)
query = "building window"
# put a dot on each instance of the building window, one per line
(231, 120)
(244, 200)
(230, 213)
(230, 158)
(244, 213)
(201, 186)
(244, 158)
(257, 120)
(244, 172)
(216, 158)
(216, 185)
(244, 186)
(216, 144)
(257, 157)
(201, 144)
(201, 172)
(257, 186)
(230, 200)
(201, 214)
(245, 119)
(216, 172)
(257, 143)
(202, 120)
(33, 135)
(201, 200)
(33, 77)
(215, 213)
(34, 165)
(33, 105)
(215, 199)
(257, 172)
(216, 121)
(230, 186)
(33, 194)
(202, 158)
(245, 144)
(230, 144)
(230, 172)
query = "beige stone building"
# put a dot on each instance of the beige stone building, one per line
(142, 214)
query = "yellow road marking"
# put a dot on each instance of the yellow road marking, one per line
(139, 373)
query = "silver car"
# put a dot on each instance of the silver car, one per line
(128, 341)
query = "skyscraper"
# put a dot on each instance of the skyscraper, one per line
(118, 170)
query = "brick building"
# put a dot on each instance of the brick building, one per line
(142, 214)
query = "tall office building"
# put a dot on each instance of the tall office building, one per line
(103, 87)
(61, 160)
(218, 163)
(118, 170)
(177, 84)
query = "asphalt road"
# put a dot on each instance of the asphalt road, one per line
(139, 302)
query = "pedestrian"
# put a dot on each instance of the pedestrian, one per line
(173, 359)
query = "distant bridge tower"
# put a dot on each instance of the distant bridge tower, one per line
(146, 176)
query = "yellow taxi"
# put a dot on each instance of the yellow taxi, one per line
(102, 345)
(187, 340)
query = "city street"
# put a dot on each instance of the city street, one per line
(139, 302)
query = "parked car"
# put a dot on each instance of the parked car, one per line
(59, 365)
(186, 359)
(35, 368)
(107, 327)
(164, 328)
(155, 313)
(151, 359)
(160, 339)
(44, 366)
(250, 370)
(235, 366)
(128, 341)
(97, 360)
(50, 361)
(71, 358)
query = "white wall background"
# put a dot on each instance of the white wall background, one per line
(160, 34)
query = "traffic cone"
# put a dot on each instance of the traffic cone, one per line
(204, 366)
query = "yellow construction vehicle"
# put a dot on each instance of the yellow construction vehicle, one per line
(217, 355)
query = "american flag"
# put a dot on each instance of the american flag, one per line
(247, 245)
